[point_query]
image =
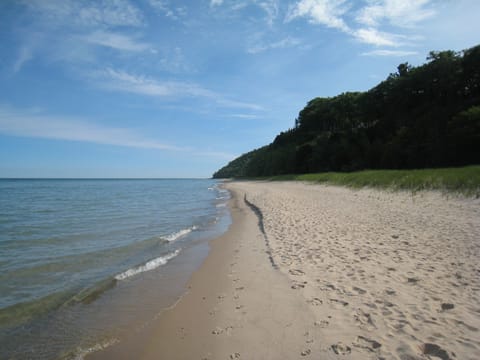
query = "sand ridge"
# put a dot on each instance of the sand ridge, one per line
(387, 274)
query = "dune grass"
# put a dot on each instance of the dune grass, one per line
(463, 180)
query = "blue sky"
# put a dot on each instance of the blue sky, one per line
(164, 88)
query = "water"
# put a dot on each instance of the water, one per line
(83, 262)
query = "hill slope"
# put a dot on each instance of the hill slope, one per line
(419, 117)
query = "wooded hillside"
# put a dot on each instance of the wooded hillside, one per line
(419, 117)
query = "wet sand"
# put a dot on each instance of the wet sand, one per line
(310, 271)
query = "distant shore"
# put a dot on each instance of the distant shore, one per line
(313, 271)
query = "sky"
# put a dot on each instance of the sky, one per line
(164, 88)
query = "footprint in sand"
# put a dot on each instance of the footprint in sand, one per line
(219, 330)
(364, 319)
(359, 290)
(306, 352)
(330, 286)
(366, 343)
(435, 350)
(235, 356)
(390, 292)
(296, 272)
(321, 323)
(298, 285)
(447, 306)
(315, 302)
(339, 302)
(341, 349)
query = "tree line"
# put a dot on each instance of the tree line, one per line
(419, 117)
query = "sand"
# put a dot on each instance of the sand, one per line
(322, 272)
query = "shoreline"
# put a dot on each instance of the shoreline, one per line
(329, 272)
(228, 306)
(87, 263)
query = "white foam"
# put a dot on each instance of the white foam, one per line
(150, 265)
(177, 235)
(81, 353)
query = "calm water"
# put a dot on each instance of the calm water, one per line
(82, 262)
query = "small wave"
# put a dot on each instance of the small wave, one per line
(21, 313)
(92, 293)
(81, 353)
(177, 235)
(150, 265)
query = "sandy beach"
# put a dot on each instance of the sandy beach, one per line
(322, 272)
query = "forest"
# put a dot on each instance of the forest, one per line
(418, 117)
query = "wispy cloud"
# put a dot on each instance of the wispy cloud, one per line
(35, 123)
(174, 61)
(72, 31)
(122, 81)
(87, 13)
(385, 52)
(164, 7)
(238, 104)
(24, 56)
(216, 154)
(28, 50)
(325, 12)
(370, 18)
(118, 80)
(111, 12)
(271, 9)
(116, 41)
(281, 44)
(39, 125)
(244, 116)
(375, 37)
(405, 13)
(216, 2)
(238, 5)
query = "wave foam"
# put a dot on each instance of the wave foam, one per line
(150, 265)
(177, 235)
(98, 347)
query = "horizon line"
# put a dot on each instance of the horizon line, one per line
(106, 178)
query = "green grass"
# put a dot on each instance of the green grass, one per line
(464, 180)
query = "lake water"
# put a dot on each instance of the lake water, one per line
(83, 263)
